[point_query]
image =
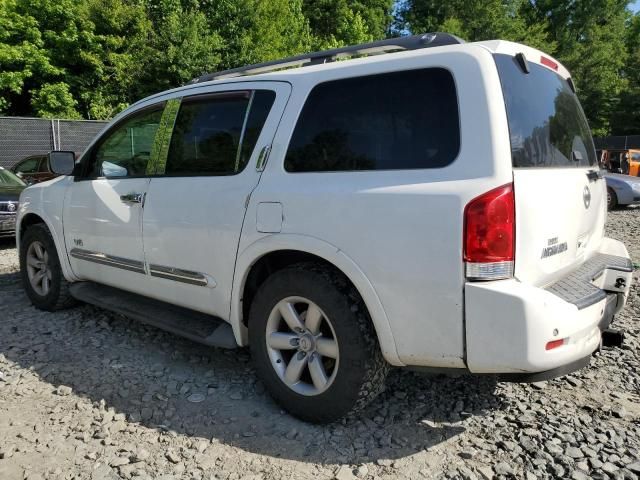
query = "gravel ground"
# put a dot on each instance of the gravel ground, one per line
(85, 394)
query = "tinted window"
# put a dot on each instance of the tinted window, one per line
(207, 134)
(30, 165)
(260, 108)
(8, 179)
(400, 120)
(546, 124)
(125, 151)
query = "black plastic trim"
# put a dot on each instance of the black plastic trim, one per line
(547, 374)
(196, 326)
(577, 289)
(524, 377)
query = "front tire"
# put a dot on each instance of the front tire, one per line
(612, 199)
(41, 272)
(313, 344)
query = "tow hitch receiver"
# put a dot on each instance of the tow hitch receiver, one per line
(612, 338)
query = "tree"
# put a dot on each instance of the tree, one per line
(272, 30)
(474, 20)
(54, 100)
(337, 23)
(123, 33)
(68, 59)
(590, 40)
(23, 58)
(626, 119)
(182, 47)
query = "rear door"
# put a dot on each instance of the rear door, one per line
(560, 199)
(197, 199)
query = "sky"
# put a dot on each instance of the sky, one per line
(635, 6)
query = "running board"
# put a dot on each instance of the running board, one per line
(196, 326)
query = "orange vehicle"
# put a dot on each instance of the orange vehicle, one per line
(634, 163)
(621, 161)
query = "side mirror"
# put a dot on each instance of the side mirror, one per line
(62, 162)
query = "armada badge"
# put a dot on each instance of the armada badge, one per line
(11, 207)
(586, 197)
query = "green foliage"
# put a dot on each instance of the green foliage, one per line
(590, 39)
(23, 55)
(53, 100)
(476, 20)
(181, 47)
(594, 39)
(626, 119)
(273, 30)
(92, 58)
(336, 23)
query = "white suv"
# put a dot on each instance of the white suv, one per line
(431, 204)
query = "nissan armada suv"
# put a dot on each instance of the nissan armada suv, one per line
(423, 203)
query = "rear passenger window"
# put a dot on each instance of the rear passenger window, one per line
(260, 108)
(399, 120)
(216, 134)
(29, 166)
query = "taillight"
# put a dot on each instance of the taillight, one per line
(489, 235)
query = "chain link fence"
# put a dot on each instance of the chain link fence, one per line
(21, 137)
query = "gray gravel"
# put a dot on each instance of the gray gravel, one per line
(85, 394)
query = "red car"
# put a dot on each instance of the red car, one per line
(33, 169)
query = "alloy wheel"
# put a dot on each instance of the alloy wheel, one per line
(302, 346)
(38, 269)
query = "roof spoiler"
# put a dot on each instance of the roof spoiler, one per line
(413, 42)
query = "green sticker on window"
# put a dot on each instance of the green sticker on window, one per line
(160, 148)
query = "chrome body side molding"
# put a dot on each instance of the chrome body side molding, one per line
(169, 273)
(179, 275)
(109, 260)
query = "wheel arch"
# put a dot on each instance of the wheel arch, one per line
(26, 221)
(33, 218)
(270, 254)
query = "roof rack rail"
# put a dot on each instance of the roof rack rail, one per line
(413, 42)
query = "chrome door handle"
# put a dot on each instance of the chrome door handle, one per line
(132, 198)
(263, 157)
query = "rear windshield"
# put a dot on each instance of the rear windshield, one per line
(547, 126)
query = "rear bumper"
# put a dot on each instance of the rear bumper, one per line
(508, 323)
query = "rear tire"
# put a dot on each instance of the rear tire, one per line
(612, 199)
(332, 348)
(41, 272)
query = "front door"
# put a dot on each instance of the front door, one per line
(197, 200)
(103, 208)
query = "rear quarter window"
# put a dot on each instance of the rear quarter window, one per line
(399, 120)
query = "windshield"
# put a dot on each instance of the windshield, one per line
(547, 126)
(8, 179)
